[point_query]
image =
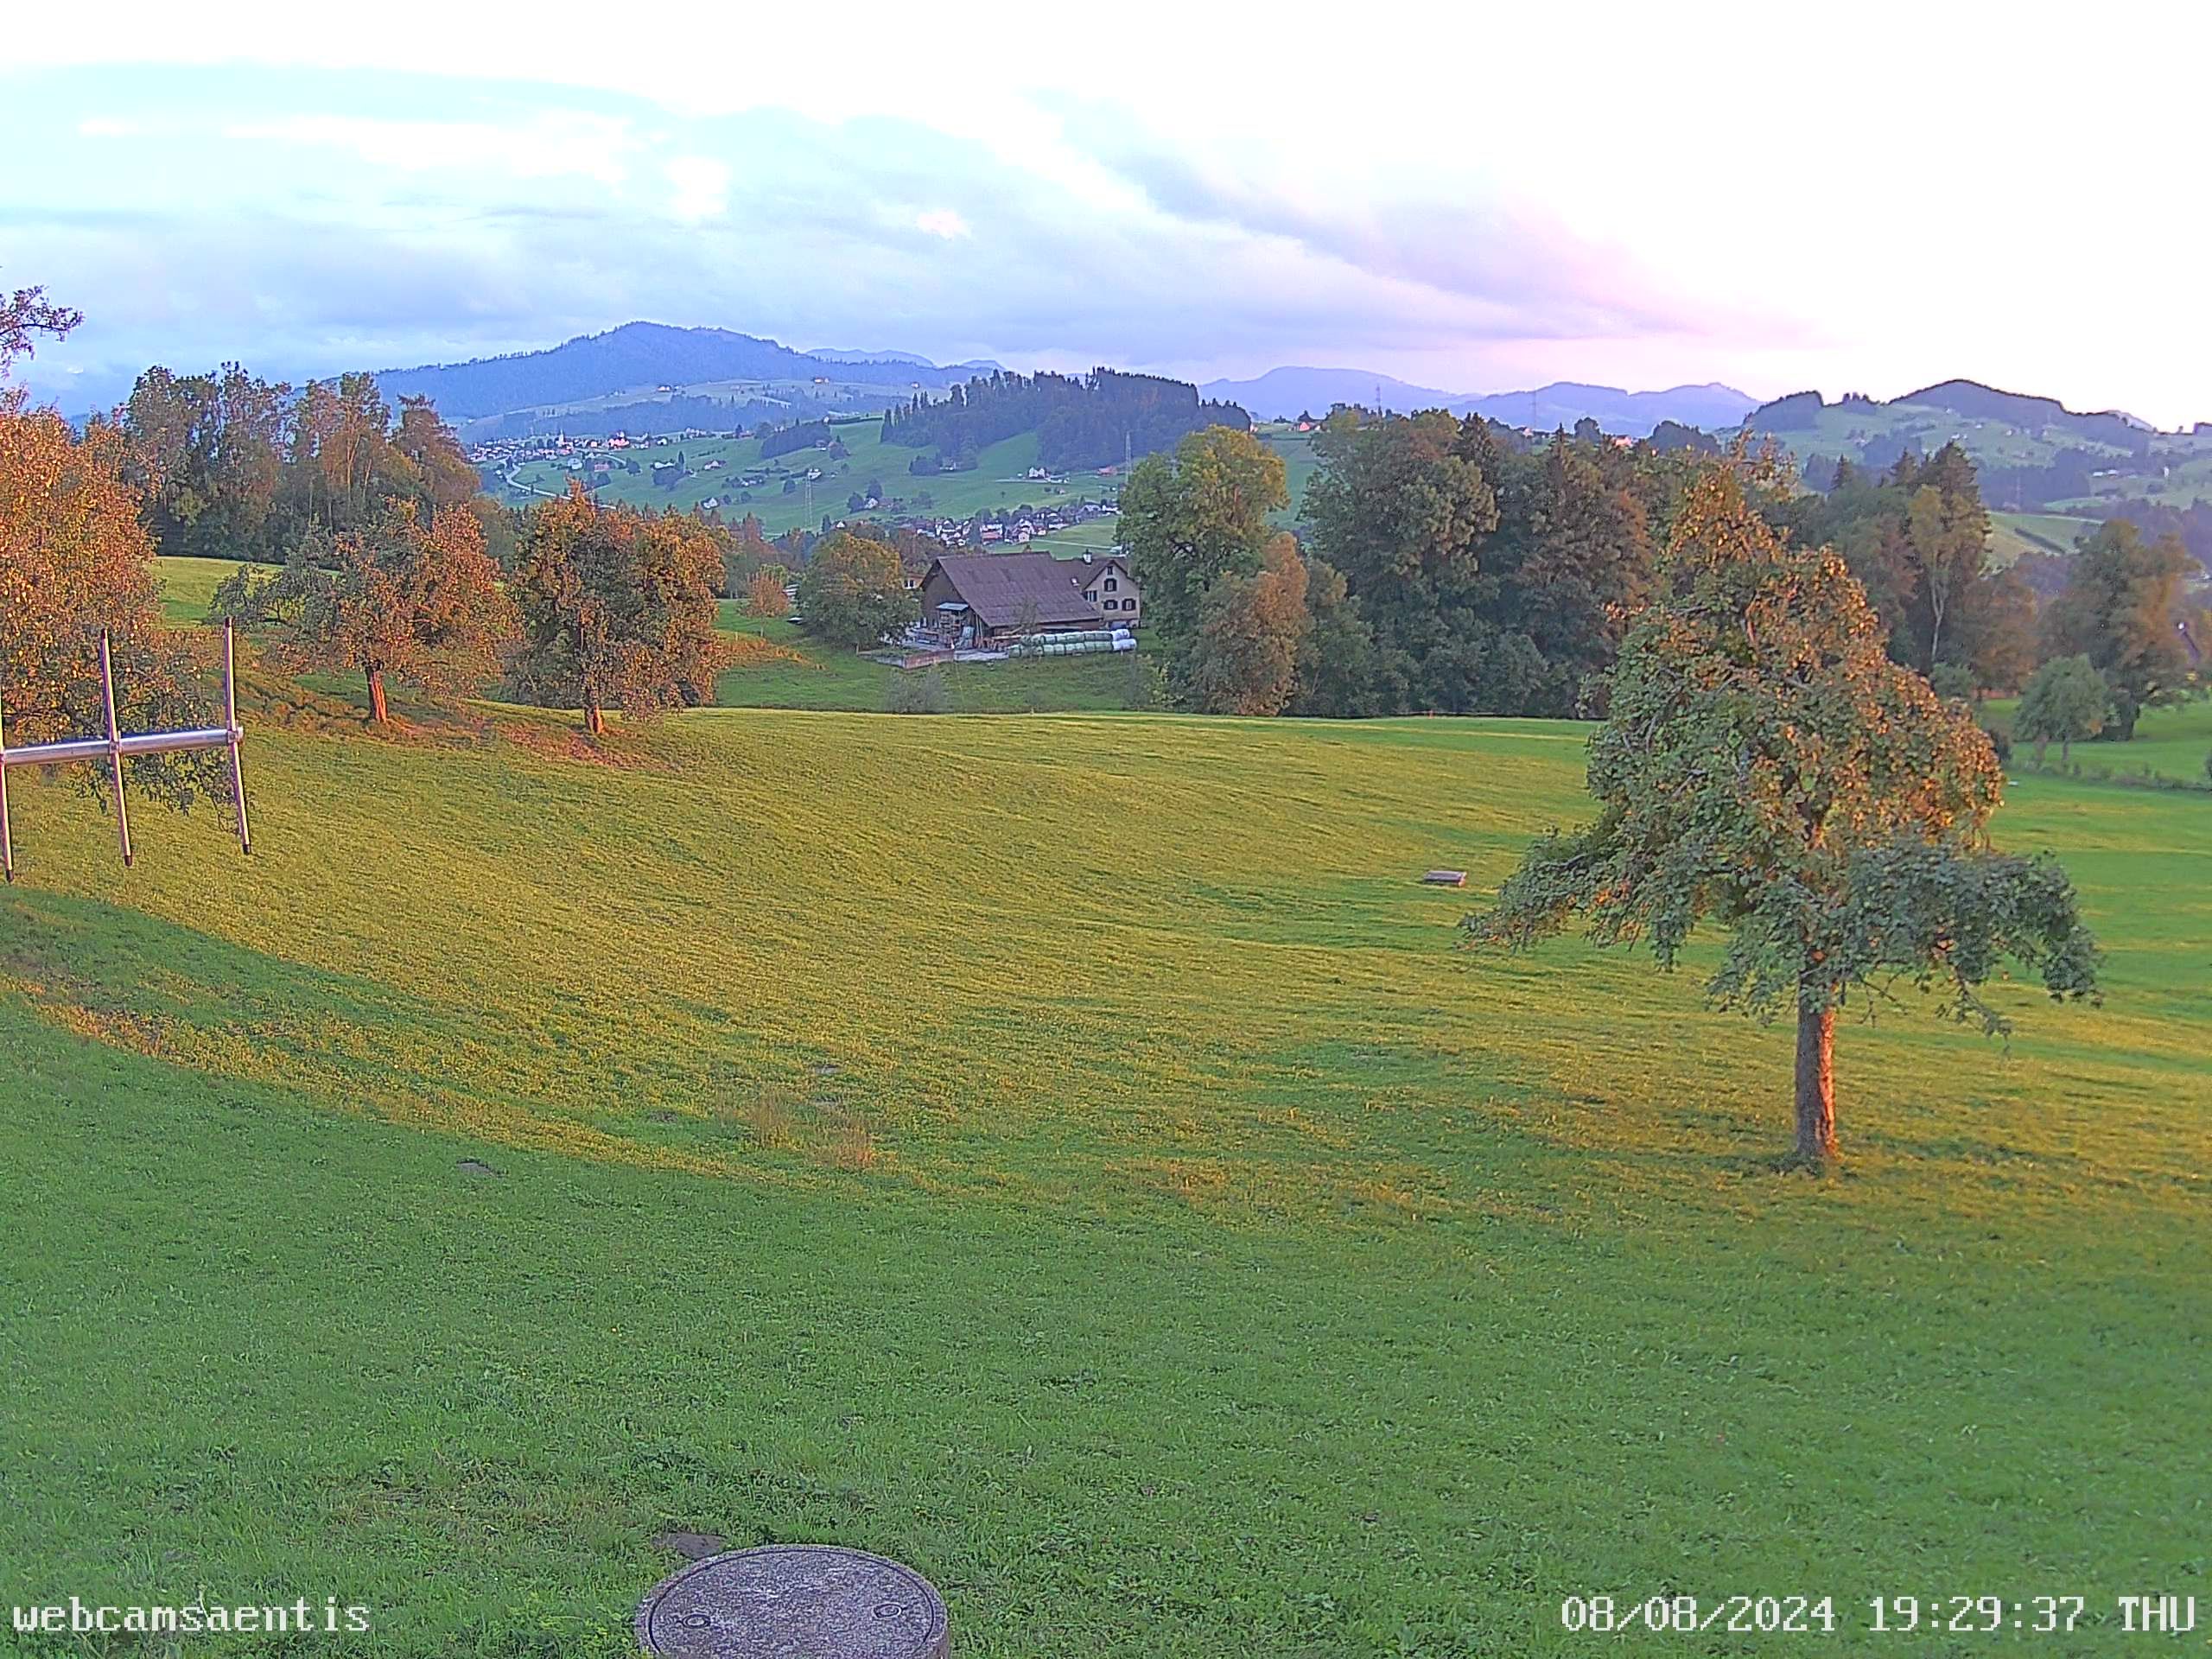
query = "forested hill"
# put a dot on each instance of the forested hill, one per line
(638, 356)
(1091, 421)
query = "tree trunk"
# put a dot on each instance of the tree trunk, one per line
(1815, 1084)
(379, 711)
(595, 716)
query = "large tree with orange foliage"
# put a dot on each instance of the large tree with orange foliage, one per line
(618, 609)
(1244, 659)
(75, 560)
(396, 600)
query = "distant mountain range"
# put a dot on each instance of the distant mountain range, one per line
(1280, 394)
(648, 377)
(640, 360)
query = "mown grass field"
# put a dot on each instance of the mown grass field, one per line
(1066, 1154)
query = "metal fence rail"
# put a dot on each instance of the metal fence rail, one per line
(118, 745)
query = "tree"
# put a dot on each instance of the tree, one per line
(1917, 539)
(2120, 608)
(1245, 658)
(74, 561)
(852, 591)
(2066, 703)
(1765, 765)
(764, 595)
(1335, 658)
(1403, 507)
(618, 610)
(208, 453)
(443, 475)
(28, 312)
(1947, 534)
(1192, 518)
(1588, 562)
(396, 599)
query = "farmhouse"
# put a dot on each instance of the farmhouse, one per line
(1107, 584)
(989, 599)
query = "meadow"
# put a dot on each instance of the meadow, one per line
(2171, 744)
(187, 588)
(2012, 534)
(1067, 1152)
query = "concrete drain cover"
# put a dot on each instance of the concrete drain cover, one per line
(795, 1601)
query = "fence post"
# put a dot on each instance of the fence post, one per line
(115, 749)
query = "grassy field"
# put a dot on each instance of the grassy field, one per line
(997, 481)
(1066, 1154)
(2012, 534)
(1300, 463)
(791, 671)
(188, 588)
(2170, 742)
(1849, 429)
(1098, 535)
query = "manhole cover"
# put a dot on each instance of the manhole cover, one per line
(795, 1601)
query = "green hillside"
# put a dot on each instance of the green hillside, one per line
(2014, 441)
(1300, 464)
(2012, 534)
(996, 483)
(1067, 1154)
(1852, 428)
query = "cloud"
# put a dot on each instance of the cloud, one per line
(552, 144)
(702, 186)
(1477, 200)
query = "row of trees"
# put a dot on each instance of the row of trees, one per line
(608, 608)
(1446, 570)
(229, 466)
(1450, 567)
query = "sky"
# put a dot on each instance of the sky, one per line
(1467, 197)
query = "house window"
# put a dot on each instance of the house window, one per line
(1111, 585)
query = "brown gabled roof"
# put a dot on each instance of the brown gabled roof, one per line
(1083, 569)
(1006, 590)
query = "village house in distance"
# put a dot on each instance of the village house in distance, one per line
(990, 602)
